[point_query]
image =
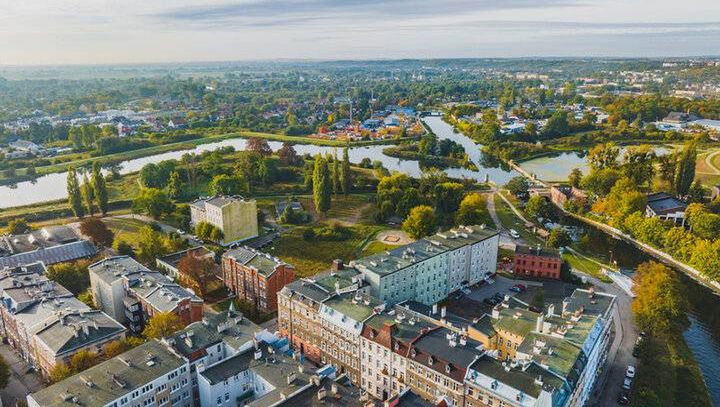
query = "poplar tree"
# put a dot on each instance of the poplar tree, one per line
(321, 185)
(88, 195)
(345, 180)
(335, 174)
(73, 190)
(100, 188)
(685, 170)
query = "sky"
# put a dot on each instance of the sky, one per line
(49, 32)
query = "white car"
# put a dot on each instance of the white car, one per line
(630, 372)
(627, 383)
(514, 234)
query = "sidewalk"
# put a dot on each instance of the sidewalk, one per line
(20, 383)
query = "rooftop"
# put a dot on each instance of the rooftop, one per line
(442, 350)
(262, 262)
(537, 251)
(520, 378)
(229, 327)
(111, 379)
(218, 201)
(517, 321)
(73, 331)
(173, 259)
(355, 306)
(662, 203)
(47, 254)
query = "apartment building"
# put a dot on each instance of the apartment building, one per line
(255, 277)
(384, 344)
(429, 269)
(132, 293)
(234, 216)
(45, 323)
(148, 375)
(538, 261)
(299, 306)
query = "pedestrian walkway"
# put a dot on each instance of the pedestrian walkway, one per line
(22, 381)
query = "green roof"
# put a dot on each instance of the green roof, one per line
(557, 354)
(522, 380)
(485, 326)
(343, 278)
(403, 331)
(517, 321)
(356, 310)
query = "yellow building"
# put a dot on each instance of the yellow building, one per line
(505, 330)
(235, 216)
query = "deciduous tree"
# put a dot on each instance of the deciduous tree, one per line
(97, 231)
(420, 222)
(162, 325)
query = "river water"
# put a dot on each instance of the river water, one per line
(703, 334)
(53, 186)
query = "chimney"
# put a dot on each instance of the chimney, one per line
(334, 388)
(551, 309)
(496, 312)
(565, 304)
(443, 312)
(337, 265)
(540, 322)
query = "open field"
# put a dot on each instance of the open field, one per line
(707, 169)
(126, 229)
(510, 221)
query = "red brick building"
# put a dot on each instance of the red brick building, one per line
(255, 277)
(536, 262)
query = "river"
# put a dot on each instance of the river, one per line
(52, 187)
(703, 334)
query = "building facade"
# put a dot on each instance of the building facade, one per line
(255, 277)
(234, 216)
(536, 262)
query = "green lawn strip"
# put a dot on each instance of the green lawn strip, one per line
(509, 220)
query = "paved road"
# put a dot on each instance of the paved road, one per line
(620, 354)
(20, 383)
(506, 241)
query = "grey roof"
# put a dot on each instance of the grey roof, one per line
(662, 203)
(36, 268)
(537, 251)
(111, 379)
(42, 238)
(436, 343)
(173, 259)
(229, 327)
(347, 395)
(51, 255)
(262, 262)
(70, 332)
(218, 200)
(114, 268)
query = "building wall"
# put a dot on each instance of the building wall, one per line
(109, 297)
(46, 360)
(238, 220)
(536, 266)
(483, 260)
(226, 393)
(252, 286)
(382, 371)
(431, 385)
(300, 322)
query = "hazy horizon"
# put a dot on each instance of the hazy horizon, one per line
(110, 32)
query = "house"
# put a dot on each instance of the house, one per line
(27, 147)
(45, 323)
(50, 245)
(132, 293)
(665, 207)
(536, 262)
(294, 205)
(177, 123)
(561, 193)
(255, 277)
(169, 263)
(679, 119)
(151, 374)
(234, 216)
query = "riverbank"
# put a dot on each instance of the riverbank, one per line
(187, 145)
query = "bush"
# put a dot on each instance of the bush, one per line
(331, 233)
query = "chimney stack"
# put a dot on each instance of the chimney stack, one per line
(337, 265)
(540, 323)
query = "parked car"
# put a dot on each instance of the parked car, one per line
(514, 234)
(514, 289)
(521, 287)
(490, 301)
(627, 383)
(623, 398)
(630, 372)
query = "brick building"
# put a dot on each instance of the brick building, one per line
(536, 262)
(255, 277)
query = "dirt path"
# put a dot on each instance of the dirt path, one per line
(709, 163)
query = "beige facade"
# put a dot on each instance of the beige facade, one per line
(234, 216)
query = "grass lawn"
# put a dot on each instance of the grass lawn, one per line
(509, 220)
(705, 173)
(126, 229)
(584, 265)
(375, 247)
(310, 258)
(668, 375)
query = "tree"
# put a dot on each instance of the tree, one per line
(197, 272)
(575, 177)
(4, 373)
(120, 346)
(557, 124)
(638, 164)
(660, 305)
(518, 186)
(150, 245)
(287, 154)
(335, 174)
(82, 360)
(97, 231)
(558, 238)
(599, 182)
(603, 156)
(258, 145)
(696, 194)
(88, 195)
(538, 207)
(74, 275)
(345, 175)
(685, 170)
(174, 187)
(321, 185)
(208, 231)
(420, 222)
(18, 226)
(123, 248)
(704, 224)
(267, 171)
(472, 211)
(227, 185)
(74, 194)
(447, 197)
(100, 188)
(60, 372)
(153, 202)
(162, 325)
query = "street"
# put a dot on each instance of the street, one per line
(21, 382)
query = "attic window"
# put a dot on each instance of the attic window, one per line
(448, 368)
(431, 360)
(397, 346)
